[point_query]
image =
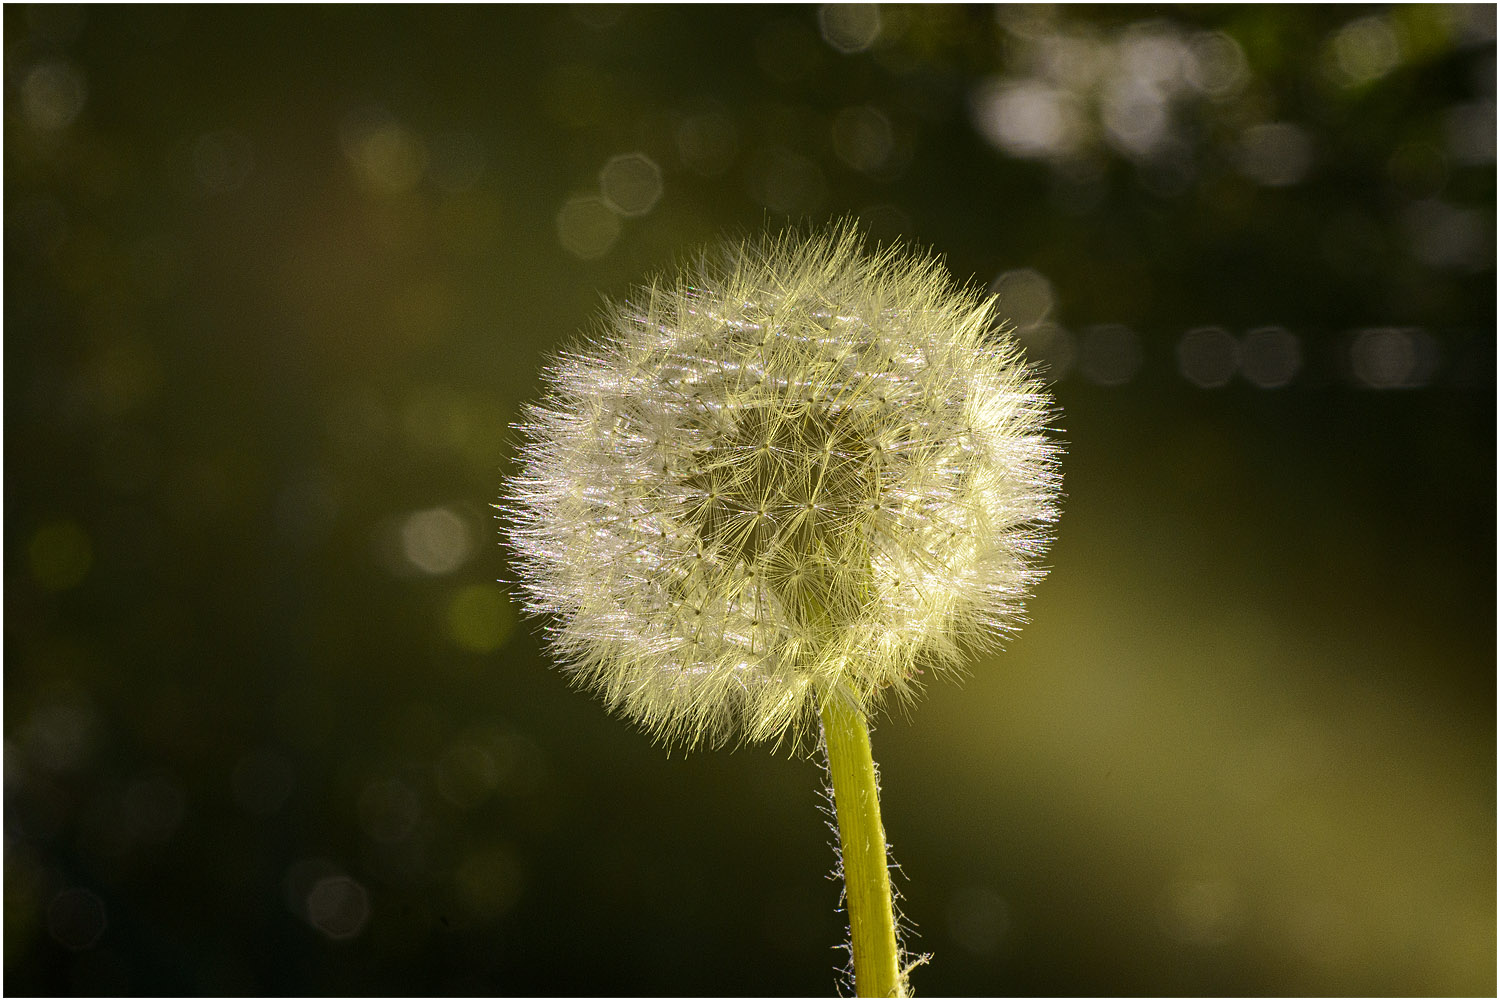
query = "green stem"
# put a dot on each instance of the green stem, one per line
(867, 881)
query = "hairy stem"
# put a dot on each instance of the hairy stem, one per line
(867, 881)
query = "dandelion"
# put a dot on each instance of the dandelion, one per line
(780, 487)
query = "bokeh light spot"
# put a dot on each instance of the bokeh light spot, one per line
(978, 919)
(61, 555)
(1270, 357)
(1152, 54)
(1216, 65)
(435, 541)
(338, 907)
(849, 27)
(1135, 116)
(1382, 359)
(480, 618)
(1208, 356)
(52, 95)
(631, 184)
(388, 158)
(1393, 358)
(1031, 119)
(1025, 296)
(1074, 62)
(76, 918)
(587, 227)
(1365, 50)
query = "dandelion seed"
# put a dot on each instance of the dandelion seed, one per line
(801, 466)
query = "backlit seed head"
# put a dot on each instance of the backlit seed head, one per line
(799, 466)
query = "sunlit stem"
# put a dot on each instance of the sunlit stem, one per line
(867, 881)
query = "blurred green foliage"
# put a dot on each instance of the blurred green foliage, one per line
(278, 279)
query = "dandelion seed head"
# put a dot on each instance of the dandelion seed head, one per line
(801, 465)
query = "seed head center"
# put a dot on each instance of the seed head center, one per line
(786, 494)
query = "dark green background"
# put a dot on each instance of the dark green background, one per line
(277, 280)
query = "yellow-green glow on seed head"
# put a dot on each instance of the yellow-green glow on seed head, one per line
(801, 465)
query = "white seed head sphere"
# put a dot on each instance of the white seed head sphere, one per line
(799, 467)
